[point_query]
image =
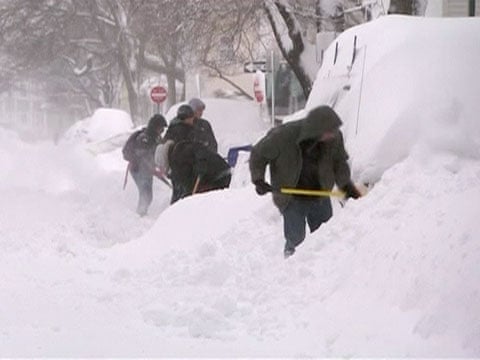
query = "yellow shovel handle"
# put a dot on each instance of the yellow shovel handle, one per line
(293, 191)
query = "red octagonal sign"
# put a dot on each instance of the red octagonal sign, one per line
(158, 94)
(257, 90)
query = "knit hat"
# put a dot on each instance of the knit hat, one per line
(196, 104)
(156, 121)
(184, 112)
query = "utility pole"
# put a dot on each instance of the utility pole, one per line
(318, 15)
(471, 8)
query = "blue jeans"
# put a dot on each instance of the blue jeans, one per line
(300, 211)
(144, 182)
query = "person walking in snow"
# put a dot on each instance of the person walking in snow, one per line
(203, 132)
(139, 151)
(304, 154)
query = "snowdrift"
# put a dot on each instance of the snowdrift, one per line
(413, 84)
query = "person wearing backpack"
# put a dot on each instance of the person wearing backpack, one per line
(139, 151)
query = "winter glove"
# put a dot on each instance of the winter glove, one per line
(261, 187)
(351, 191)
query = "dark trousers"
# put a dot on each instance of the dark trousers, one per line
(181, 188)
(178, 191)
(300, 211)
(144, 182)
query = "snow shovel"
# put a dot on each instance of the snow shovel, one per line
(293, 191)
(126, 176)
(160, 176)
(195, 187)
(164, 180)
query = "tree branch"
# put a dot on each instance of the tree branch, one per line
(227, 80)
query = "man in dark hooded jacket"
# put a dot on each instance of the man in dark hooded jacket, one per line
(306, 154)
(139, 151)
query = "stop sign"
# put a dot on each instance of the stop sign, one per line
(158, 94)
(257, 90)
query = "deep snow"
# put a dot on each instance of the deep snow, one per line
(394, 274)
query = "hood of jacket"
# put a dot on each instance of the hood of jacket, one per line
(318, 121)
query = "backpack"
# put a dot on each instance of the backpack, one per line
(128, 149)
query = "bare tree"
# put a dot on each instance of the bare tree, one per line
(55, 43)
(284, 22)
(161, 27)
(97, 46)
(232, 35)
(95, 39)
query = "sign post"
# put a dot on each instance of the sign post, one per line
(259, 92)
(253, 66)
(158, 94)
(273, 88)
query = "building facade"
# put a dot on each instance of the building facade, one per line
(452, 8)
(24, 109)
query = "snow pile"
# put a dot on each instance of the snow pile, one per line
(50, 168)
(410, 87)
(102, 125)
(102, 135)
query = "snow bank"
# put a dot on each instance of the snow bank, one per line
(409, 88)
(103, 124)
(44, 166)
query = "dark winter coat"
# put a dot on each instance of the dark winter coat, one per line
(190, 160)
(179, 131)
(144, 145)
(202, 133)
(281, 149)
(139, 149)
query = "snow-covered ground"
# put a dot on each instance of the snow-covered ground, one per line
(394, 274)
